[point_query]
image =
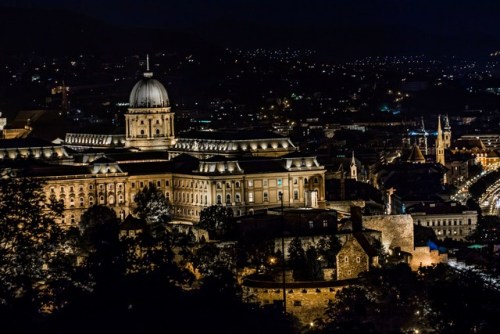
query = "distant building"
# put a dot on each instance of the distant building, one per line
(448, 220)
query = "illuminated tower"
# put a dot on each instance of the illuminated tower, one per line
(447, 133)
(149, 121)
(424, 134)
(440, 144)
(354, 171)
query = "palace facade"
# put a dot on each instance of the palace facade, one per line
(243, 170)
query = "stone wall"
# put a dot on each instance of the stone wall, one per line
(307, 302)
(424, 256)
(397, 230)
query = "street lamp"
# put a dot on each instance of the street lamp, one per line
(283, 251)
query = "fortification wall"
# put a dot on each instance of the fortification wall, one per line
(397, 230)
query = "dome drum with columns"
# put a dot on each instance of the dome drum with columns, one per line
(149, 121)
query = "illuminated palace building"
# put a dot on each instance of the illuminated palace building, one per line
(246, 171)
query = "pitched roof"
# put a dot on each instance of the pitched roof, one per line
(416, 155)
(368, 249)
(25, 142)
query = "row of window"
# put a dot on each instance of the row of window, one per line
(449, 222)
(317, 290)
(192, 212)
(81, 188)
(177, 183)
(358, 259)
(237, 198)
(71, 203)
(452, 231)
(188, 198)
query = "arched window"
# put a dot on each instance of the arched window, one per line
(219, 199)
(228, 199)
(91, 200)
(237, 198)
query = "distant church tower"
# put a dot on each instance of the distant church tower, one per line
(354, 171)
(149, 121)
(440, 144)
(447, 133)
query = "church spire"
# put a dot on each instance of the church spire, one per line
(354, 170)
(148, 73)
(439, 144)
(447, 132)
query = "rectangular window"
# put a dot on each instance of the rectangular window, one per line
(167, 183)
(296, 195)
(158, 184)
(264, 182)
(265, 196)
(250, 183)
(295, 181)
(250, 197)
(280, 182)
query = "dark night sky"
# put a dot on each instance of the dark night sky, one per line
(427, 14)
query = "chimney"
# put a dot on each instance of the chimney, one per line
(356, 218)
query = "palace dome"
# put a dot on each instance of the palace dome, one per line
(149, 93)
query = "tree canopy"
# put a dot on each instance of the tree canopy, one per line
(152, 205)
(32, 245)
(216, 220)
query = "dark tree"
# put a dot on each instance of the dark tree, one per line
(152, 206)
(216, 220)
(297, 258)
(33, 264)
(313, 270)
(350, 310)
(328, 248)
(104, 256)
